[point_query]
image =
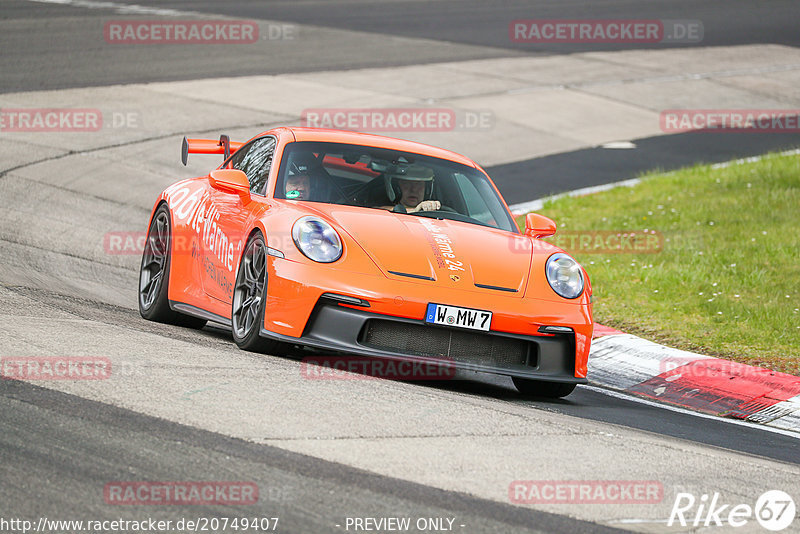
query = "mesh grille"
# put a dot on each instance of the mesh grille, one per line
(431, 342)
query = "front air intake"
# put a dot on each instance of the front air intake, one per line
(434, 342)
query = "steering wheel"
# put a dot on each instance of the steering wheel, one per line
(445, 209)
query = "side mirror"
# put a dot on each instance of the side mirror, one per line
(539, 226)
(232, 180)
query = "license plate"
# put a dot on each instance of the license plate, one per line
(460, 317)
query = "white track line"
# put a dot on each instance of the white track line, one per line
(752, 159)
(535, 205)
(125, 9)
(640, 400)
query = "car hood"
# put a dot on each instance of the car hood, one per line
(453, 253)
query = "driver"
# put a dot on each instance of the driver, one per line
(298, 187)
(409, 185)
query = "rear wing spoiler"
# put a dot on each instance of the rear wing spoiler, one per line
(208, 146)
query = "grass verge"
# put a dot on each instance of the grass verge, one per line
(726, 281)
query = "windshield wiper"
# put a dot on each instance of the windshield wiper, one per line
(450, 215)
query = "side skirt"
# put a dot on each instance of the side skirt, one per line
(194, 311)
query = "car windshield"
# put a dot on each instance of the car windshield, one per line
(378, 178)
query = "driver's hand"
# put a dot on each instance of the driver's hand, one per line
(427, 205)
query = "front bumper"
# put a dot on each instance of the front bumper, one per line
(346, 329)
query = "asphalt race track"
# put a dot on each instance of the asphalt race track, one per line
(461, 30)
(86, 442)
(185, 405)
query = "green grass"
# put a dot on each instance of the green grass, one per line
(727, 281)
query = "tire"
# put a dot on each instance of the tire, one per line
(154, 275)
(540, 388)
(250, 300)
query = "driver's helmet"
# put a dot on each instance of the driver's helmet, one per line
(407, 172)
(305, 164)
(302, 163)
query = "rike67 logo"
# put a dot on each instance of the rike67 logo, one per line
(774, 510)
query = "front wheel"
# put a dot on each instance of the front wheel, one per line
(154, 275)
(540, 388)
(250, 299)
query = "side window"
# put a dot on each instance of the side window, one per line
(255, 161)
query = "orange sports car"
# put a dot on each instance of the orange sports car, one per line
(367, 245)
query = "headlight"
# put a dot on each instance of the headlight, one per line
(316, 239)
(564, 275)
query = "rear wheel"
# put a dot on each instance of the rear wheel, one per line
(540, 388)
(154, 275)
(250, 299)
